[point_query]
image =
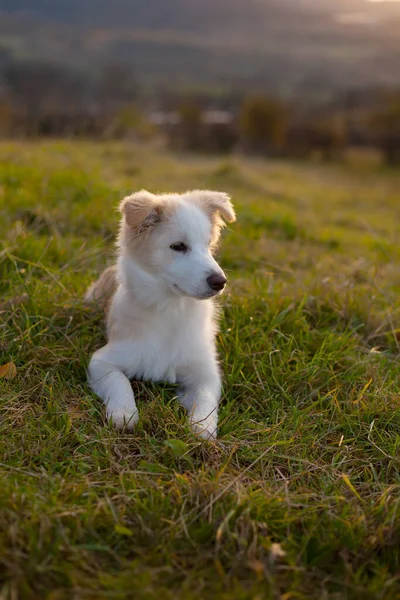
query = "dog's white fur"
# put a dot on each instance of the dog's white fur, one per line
(161, 322)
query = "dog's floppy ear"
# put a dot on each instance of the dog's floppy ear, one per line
(218, 202)
(141, 210)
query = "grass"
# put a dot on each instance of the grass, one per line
(300, 496)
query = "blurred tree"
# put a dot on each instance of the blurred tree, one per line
(131, 121)
(117, 85)
(385, 129)
(263, 125)
(6, 118)
(325, 136)
(190, 125)
(220, 138)
(39, 88)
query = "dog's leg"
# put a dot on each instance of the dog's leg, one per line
(199, 393)
(109, 382)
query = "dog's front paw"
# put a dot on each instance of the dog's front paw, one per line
(122, 418)
(205, 428)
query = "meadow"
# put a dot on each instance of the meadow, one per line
(299, 497)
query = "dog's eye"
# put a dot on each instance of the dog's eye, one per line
(179, 247)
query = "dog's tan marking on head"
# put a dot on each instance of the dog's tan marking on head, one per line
(215, 202)
(218, 207)
(141, 210)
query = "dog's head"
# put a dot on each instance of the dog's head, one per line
(173, 236)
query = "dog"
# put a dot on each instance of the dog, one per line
(161, 315)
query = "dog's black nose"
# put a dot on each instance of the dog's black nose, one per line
(216, 282)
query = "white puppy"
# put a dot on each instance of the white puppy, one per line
(161, 322)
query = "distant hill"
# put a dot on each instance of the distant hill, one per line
(286, 45)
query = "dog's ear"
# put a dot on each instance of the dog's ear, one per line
(217, 202)
(141, 210)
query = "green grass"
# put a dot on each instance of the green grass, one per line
(308, 454)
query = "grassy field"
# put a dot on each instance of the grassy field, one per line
(300, 496)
